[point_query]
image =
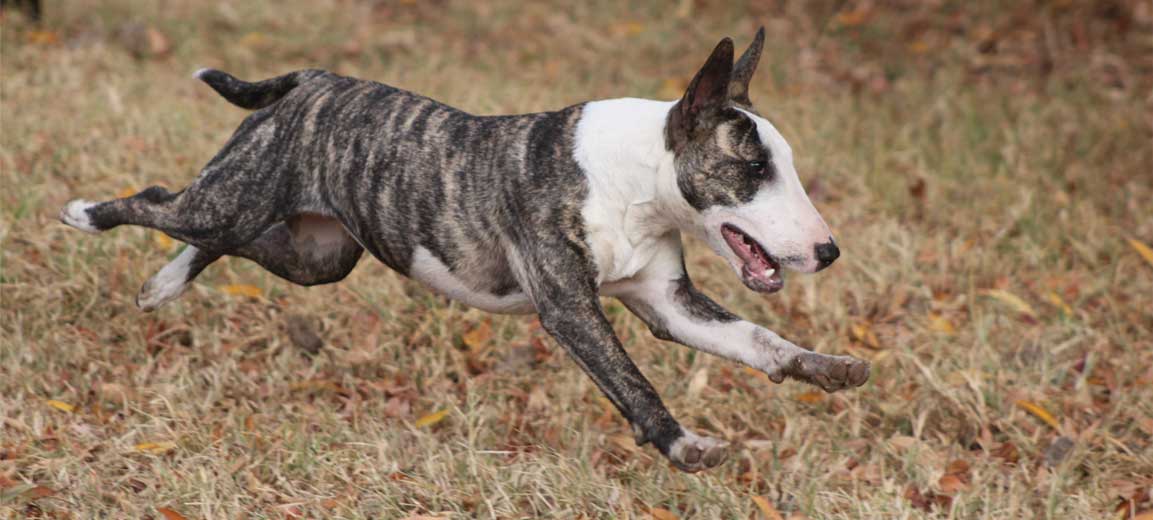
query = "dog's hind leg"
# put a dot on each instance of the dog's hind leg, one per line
(306, 249)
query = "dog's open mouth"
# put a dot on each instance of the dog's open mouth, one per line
(759, 270)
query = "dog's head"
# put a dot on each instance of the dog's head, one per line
(736, 171)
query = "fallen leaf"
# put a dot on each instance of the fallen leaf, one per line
(170, 514)
(658, 513)
(812, 397)
(39, 492)
(1040, 412)
(1011, 300)
(165, 242)
(241, 289)
(43, 37)
(1057, 302)
(627, 28)
(60, 405)
(431, 419)
(951, 484)
(767, 508)
(126, 192)
(1142, 250)
(672, 88)
(939, 323)
(864, 333)
(155, 448)
(478, 336)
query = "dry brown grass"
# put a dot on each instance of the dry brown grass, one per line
(955, 180)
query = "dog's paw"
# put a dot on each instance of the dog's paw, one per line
(692, 453)
(166, 285)
(831, 373)
(75, 214)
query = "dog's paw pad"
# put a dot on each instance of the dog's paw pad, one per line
(693, 453)
(75, 214)
(831, 373)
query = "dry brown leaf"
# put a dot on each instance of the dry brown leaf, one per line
(812, 397)
(478, 336)
(939, 323)
(170, 514)
(1142, 250)
(767, 508)
(126, 192)
(1040, 412)
(951, 484)
(60, 405)
(241, 289)
(155, 448)
(1011, 300)
(431, 419)
(39, 492)
(864, 333)
(658, 513)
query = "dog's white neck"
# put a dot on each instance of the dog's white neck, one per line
(633, 200)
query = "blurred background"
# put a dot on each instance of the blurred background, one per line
(986, 166)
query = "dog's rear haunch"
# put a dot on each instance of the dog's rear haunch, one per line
(523, 213)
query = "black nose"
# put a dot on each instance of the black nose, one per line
(826, 253)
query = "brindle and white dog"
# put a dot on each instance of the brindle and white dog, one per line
(523, 213)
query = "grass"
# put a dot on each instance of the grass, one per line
(983, 201)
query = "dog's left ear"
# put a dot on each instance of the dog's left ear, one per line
(705, 98)
(744, 69)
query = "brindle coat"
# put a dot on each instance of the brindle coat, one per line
(329, 166)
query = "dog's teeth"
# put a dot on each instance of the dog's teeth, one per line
(769, 272)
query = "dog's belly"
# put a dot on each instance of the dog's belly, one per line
(429, 270)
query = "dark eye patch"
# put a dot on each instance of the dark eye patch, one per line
(716, 171)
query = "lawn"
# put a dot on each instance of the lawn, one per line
(987, 171)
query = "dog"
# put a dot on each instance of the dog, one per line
(535, 213)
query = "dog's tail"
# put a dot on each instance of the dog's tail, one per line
(257, 95)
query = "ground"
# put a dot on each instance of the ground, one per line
(987, 172)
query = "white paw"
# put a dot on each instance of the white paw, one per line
(75, 214)
(693, 453)
(168, 284)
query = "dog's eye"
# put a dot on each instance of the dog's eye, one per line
(759, 168)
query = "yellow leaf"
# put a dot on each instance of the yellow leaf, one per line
(941, 324)
(253, 39)
(431, 419)
(863, 333)
(43, 37)
(1040, 412)
(155, 448)
(628, 28)
(478, 336)
(164, 241)
(1011, 300)
(1059, 303)
(241, 289)
(812, 397)
(60, 405)
(126, 192)
(855, 17)
(1142, 249)
(767, 508)
(170, 514)
(659, 513)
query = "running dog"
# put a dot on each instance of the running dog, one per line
(514, 214)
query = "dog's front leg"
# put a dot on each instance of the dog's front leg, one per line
(665, 299)
(570, 311)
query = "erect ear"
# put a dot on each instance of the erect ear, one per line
(744, 69)
(708, 93)
(709, 88)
